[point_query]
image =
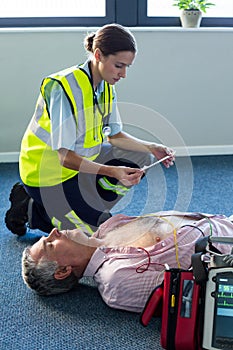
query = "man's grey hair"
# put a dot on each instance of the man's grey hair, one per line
(39, 276)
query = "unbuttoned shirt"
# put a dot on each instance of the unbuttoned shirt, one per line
(126, 276)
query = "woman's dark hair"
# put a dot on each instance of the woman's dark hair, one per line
(111, 39)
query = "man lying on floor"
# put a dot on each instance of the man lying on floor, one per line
(126, 256)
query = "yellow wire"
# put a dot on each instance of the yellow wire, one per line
(175, 239)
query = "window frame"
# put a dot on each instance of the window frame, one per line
(116, 11)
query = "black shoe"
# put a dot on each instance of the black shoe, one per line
(17, 216)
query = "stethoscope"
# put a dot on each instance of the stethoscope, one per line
(106, 129)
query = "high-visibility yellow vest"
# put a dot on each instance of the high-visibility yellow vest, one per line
(39, 164)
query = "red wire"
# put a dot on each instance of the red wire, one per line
(140, 268)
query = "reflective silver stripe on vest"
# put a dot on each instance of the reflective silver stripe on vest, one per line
(35, 128)
(78, 96)
(108, 186)
(56, 223)
(41, 133)
(87, 152)
(73, 217)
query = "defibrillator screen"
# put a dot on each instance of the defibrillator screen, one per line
(223, 316)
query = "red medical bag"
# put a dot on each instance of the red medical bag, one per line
(178, 301)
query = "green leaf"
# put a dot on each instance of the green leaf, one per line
(193, 4)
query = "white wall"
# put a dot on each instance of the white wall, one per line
(179, 90)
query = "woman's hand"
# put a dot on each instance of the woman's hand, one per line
(160, 151)
(126, 175)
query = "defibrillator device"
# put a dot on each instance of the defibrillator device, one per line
(196, 305)
(218, 315)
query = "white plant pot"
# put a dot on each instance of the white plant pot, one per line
(191, 18)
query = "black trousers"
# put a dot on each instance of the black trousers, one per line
(82, 197)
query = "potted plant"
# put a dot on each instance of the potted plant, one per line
(191, 14)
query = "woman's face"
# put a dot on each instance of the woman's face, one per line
(113, 67)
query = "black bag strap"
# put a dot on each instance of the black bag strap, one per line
(200, 268)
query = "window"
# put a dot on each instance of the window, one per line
(53, 8)
(162, 12)
(55, 12)
(37, 13)
(165, 8)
